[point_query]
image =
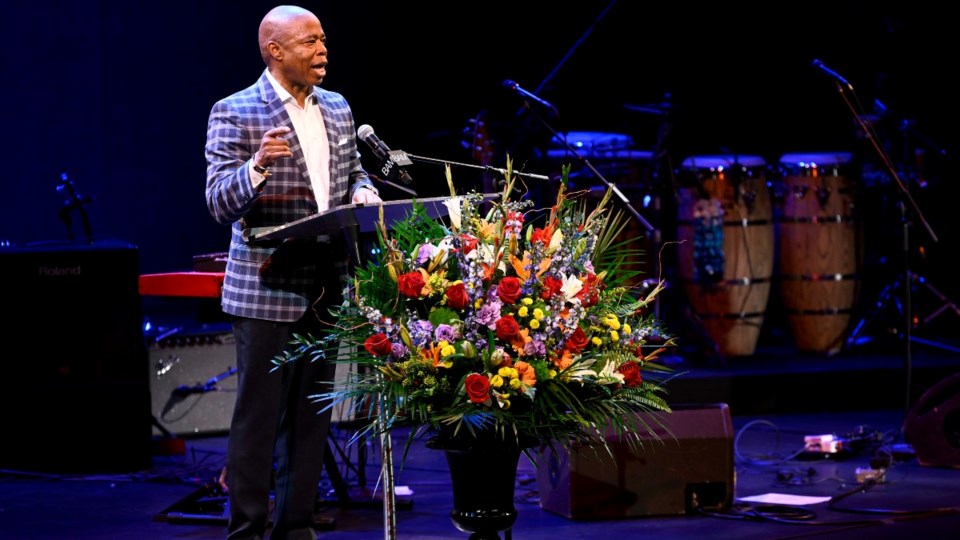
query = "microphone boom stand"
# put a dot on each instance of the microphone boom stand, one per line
(905, 212)
(487, 168)
(586, 162)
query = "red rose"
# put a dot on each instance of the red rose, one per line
(411, 284)
(551, 286)
(631, 374)
(509, 290)
(577, 341)
(590, 293)
(457, 296)
(507, 329)
(478, 387)
(378, 345)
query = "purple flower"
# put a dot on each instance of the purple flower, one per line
(421, 332)
(534, 348)
(399, 350)
(445, 332)
(488, 314)
(424, 254)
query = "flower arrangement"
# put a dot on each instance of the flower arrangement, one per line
(513, 322)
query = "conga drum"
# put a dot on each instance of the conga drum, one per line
(818, 248)
(725, 256)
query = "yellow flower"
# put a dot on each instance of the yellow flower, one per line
(447, 350)
(612, 321)
(626, 328)
(522, 311)
(614, 335)
(534, 323)
(496, 381)
(538, 314)
(515, 383)
(527, 301)
(596, 341)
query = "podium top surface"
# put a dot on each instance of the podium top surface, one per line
(362, 216)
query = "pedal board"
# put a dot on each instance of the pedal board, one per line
(208, 504)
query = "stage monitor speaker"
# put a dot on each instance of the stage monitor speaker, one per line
(932, 426)
(193, 380)
(691, 461)
(75, 398)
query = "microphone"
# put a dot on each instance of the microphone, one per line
(180, 393)
(515, 88)
(836, 76)
(391, 161)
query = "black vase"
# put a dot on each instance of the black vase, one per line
(483, 487)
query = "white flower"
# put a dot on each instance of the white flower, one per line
(555, 240)
(571, 286)
(446, 245)
(582, 370)
(608, 375)
(485, 253)
(454, 207)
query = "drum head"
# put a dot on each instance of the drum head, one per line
(717, 162)
(596, 145)
(813, 160)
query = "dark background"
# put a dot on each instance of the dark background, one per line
(116, 95)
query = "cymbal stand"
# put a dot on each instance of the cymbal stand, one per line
(908, 207)
(913, 280)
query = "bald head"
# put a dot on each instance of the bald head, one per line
(294, 48)
(278, 26)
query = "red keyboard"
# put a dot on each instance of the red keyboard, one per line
(194, 284)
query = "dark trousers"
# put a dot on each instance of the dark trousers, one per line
(275, 418)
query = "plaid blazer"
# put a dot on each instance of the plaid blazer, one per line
(275, 281)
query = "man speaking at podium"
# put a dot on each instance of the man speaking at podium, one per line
(278, 151)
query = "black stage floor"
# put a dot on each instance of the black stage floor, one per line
(774, 399)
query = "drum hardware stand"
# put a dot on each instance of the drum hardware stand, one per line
(74, 202)
(908, 206)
